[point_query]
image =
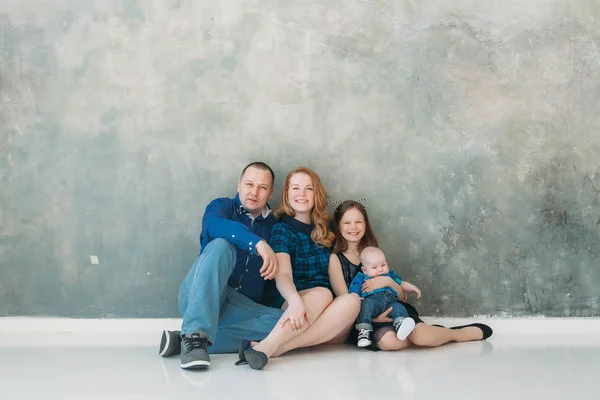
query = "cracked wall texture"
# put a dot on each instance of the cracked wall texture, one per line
(471, 126)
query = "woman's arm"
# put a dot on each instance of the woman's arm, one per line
(336, 276)
(295, 313)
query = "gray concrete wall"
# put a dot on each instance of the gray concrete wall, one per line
(471, 126)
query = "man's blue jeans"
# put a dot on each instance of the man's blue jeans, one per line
(208, 305)
(375, 304)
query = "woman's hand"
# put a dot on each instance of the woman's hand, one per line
(376, 283)
(296, 315)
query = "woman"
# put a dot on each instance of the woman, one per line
(353, 233)
(302, 243)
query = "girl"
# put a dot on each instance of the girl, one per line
(353, 233)
(302, 243)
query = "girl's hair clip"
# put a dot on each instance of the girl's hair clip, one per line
(337, 204)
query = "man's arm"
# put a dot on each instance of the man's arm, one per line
(270, 266)
(217, 223)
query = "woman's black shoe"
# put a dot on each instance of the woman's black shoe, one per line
(256, 359)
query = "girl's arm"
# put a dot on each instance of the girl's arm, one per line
(381, 282)
(336, 276)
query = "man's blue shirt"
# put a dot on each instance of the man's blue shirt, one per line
(227, 219)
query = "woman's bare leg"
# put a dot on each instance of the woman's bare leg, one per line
(341, 337)
(315, 301)
(337, 318)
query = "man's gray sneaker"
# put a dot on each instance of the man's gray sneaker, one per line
(170, 343)
(193, 351)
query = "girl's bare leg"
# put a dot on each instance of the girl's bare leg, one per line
(389, 342)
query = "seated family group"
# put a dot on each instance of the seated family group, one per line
(267, 282)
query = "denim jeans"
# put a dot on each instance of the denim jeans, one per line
(375, 304)
(207, 304)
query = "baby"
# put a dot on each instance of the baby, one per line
(379, 300)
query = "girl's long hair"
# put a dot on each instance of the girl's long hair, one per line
(367, 240)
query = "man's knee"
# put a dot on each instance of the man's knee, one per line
(222, 250)
(221, 245)
(272, 316)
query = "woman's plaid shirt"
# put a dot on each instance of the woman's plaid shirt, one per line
(309, 261)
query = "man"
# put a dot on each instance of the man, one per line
(219, 297)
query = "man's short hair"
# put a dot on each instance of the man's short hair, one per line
(260, 165)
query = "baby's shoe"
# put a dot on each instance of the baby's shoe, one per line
(404, 327)
(364, 337)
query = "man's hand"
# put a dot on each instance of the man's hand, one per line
(270, 267)
(296, 315)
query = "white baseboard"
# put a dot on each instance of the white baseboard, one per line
(146, 332)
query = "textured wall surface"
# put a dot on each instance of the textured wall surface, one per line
(471, 126)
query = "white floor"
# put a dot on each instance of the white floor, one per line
(116, 366)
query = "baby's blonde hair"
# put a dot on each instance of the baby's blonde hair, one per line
(369, 252)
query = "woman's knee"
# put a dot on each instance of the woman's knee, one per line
(322, 294)
(355, 302)
(351, 305)
(317, 297)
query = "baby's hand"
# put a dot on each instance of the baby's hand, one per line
(409, 287)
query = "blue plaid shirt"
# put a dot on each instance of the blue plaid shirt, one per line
(310, 262)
